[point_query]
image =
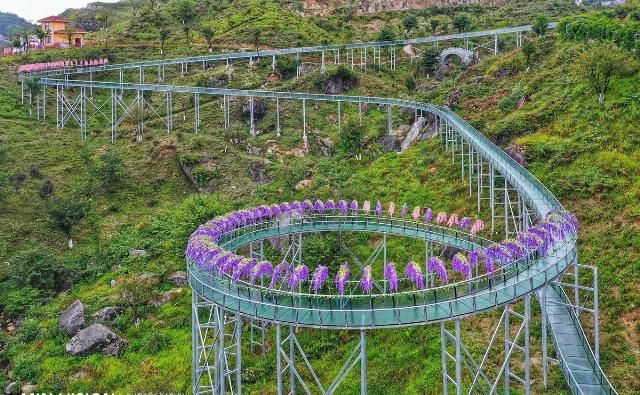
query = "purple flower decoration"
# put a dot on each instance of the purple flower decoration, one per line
(465, 223)
(306, 206)
(489, 266)
(428, 216)
(297, 276)
(342, 277)
(414, 273)
(260, 270)
(319, 276)
(353, 206)
(330, 206)
(343, 207)
(437, 266)
(404, 211)
(379, 209)
(366, 282)
(279, 272)
(461, 265)
(474, 258)
(318, 207)
(392, 276)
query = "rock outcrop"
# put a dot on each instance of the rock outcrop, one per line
(96, 338)
(72, 319)
(517, 153)
(108, 313)
(179, 278)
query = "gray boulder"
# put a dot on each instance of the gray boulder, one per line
(72, 319)
(258, 173)
(108, 313)
(136, 253)
(389, 143)
(11, 388)
(178, 278)
(517, 153)
(96, 338)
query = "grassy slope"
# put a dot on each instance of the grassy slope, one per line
(587, 154)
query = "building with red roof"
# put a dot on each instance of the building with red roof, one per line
(59, 34)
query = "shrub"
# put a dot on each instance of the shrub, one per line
(67, 212)
(138, 291)
(46, 190)
(189, 159)
(17, 303)
(508, 103)
(540, 25)
(202, 176)
(37, 269)
(109, 171)
(287, 67)
(351, 139)
(386, 34)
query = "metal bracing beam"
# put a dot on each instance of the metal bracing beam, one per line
(252, 125)
(278, 117)
(370, 260)
(196, 109)
(289, 348)
(304, 125)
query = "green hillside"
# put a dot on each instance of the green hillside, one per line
(136, 195)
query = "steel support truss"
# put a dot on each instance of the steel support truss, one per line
(216, 349)
(288, 353)
(509, 340)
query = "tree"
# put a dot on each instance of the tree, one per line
(255, 36)
(528, 49)
(34, 87)
(599, 64)
(103, 17)
(68, 34)
(429, 60)
(351, 139)
(434, 24)
(410, 22)
(164, 34)
(42, 35)
(462, 22)
(386, 34)
(208, 33)
(540, 25)
(185, 11)
(67, 213)
(109, 170)
(138, 291)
